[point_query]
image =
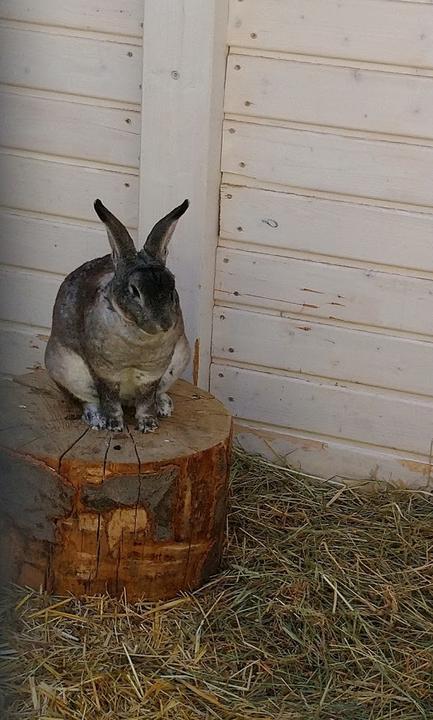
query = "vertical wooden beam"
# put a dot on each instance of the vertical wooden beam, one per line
(184, 59)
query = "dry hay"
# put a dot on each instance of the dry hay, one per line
(324, 610)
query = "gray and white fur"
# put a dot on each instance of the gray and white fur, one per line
(117, 334)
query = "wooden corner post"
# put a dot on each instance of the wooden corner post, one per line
(184, 60)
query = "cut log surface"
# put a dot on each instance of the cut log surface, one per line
(84, 511)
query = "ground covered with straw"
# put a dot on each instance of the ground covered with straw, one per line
(324, 609)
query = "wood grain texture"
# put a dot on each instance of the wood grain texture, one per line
(22, 347)
(71, 129)
(329, 458)
(324, 290)
(70, 132)
(330, 162)
(321, 94)
(27, 296)
(56, 187)
(327, 227)
(184, 47)
(140, 513)
(323, 349)
(67, 64)
(50, 244)
(364, 415)
(114, 16)
(321, 332)
(372, 30)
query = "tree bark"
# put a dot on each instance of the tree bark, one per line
(87, 512)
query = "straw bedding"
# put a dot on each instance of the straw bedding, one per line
(324, 609)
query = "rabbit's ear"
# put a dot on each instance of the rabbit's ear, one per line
(122, 244)
(160, 235)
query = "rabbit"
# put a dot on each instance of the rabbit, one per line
(117, 333)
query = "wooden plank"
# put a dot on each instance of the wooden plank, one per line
(113, 17)
(60, 188)
(371, 30)
(183, 85)
(325, 350)
(330, 162)
(76, 65)
(28, 297)
(21, 348)
(370, 416)
(48, 244)
(71, 129)
(328, 458)
(307, 92)
(327, 227)
(322, 290)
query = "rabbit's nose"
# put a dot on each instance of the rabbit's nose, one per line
(165, 324)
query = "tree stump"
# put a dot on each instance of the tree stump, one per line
(86, 511)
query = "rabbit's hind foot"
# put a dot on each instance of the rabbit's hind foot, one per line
(97, 420)
(93, 416)
(147, 423)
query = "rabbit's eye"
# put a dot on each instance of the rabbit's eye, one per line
(134, 291)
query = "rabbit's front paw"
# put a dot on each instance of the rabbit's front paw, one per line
(147, 423)
(115, 424)
(93, 416)
(164, 405)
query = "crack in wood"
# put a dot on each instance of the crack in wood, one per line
(77, 440)
(136, 513)
(188, 557)
(139, 477)
(98, 529)
(119, 555)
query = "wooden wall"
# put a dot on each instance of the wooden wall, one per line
(323, 317)
(70, 95)
(323, 299)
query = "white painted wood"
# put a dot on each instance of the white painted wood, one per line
(323, 290)
(326, 350)
(21, 348)
(49, 244)
(112, 16)
(183, 83)
(371, 30)
(330, 162)
(70, 132)
(329, 361)
(71, 129)
(328, 227)
(67, 64)
(28, 296)
(329, 459)
(344, 97)
(60, 188)
(376, 417)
